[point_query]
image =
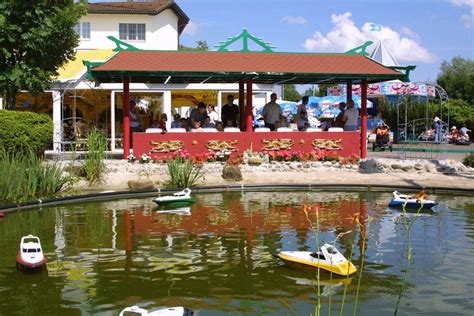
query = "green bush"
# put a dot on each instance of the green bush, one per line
(183, 173)
(25, 177)
(96, 147)
(469, 160)
(25, 131)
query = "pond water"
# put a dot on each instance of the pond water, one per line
(217, 257)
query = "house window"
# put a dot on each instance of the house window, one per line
(132, 31)
(83, 29)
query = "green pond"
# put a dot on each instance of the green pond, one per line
(217, 257)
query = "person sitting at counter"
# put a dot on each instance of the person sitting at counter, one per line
(161, 123)
(196, 126)
(176, 121)
(302, 121)
(208, 123)
(271, 113)
(219, 126)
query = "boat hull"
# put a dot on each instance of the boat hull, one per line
(344, 269)
(175, 202)
(400, 203)
(30, 265)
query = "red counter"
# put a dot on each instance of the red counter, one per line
(158, 145)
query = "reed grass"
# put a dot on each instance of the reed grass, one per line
(408, 228)
(94, 164)
(25, 177)
(183, 173)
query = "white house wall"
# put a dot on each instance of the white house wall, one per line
(161, 30)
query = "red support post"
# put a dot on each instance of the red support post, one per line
(363, 120)
(126, 116)
(349, 90)
(241, 105)
(248, 107)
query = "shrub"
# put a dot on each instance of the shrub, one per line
(469, 160)
(183, 172)
(24, 177)
(25, 131)
(94, 164)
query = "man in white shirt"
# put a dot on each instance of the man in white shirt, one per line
(271, 112)
(351, 115)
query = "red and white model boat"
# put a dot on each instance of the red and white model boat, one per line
(30, 255)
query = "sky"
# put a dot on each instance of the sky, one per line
(417, 32)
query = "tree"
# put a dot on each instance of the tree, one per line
(290, 93)
(202, 45)
(310, 92)
(36, 38)
(457, 78)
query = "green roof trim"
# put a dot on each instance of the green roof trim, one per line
(245, 36)
(407, 69)
(360, 50)
(120, 43)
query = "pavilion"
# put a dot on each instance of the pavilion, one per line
(246, 69)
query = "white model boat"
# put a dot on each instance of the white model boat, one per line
(178, 197)
(172, 311)
(328, 258)
(30, 255)
(411, 202)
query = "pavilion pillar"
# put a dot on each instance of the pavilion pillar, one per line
(126, 116)
(348, 90)
(363, 120)
(57, 122)
(249, 106)
(241, 105)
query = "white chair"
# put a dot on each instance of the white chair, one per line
(153, 130)
(262, 129)
(209, 129)
(284, 129)
(231, 130)
(313, 129)
(177, 130)
(335, 129)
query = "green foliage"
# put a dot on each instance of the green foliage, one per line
(290, 93)
(36, 38)
(469, 160)
(96, 147)
(183, 173)
(25, 131)
(460, 113)
(24, 177)
(457, 78)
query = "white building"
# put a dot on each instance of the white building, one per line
(152, 25)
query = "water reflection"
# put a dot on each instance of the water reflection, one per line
(217, 255)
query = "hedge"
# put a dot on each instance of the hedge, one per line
(25, 131)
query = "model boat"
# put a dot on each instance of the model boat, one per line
(173, 311)
(420, 201)
(30, 255)
(328, 258)
(178, 197)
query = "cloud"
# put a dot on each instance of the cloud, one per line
(345, 35)
(191, 29)
(293, 20)
(410, 33)
(463, 2)
(468, 20)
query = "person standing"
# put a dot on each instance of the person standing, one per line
(211, 112)
(302, 105)
(271, 112)
(438, 129)
(350, 117)
(230, 112)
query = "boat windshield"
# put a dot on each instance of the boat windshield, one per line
(318, 255)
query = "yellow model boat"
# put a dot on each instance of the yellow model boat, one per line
(328, 258)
